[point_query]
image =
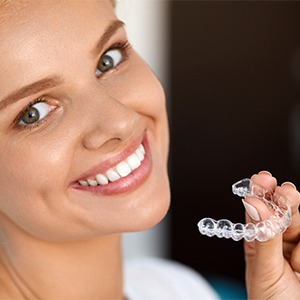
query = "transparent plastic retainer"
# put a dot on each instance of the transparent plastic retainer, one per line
(263, 231)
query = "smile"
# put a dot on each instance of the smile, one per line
(121, 170)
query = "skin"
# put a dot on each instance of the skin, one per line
(58, 242)
(273, 267)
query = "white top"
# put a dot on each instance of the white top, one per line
(161, 279)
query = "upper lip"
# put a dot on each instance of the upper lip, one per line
(112, 161)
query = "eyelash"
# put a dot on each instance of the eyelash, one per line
(123, 47)
(37, 123)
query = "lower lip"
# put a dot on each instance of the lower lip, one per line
(126, 184)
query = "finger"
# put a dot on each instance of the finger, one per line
(291, 236)
(261, 258)
(288, 249)
(249, 252)
(255, 260)
(295, 258)
(265, 180)
(264, 261)
(292, 196)
(255, 208)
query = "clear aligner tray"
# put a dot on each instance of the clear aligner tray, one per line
(263, 231)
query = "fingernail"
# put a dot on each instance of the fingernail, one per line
(252, 211)
(290, 184)
(265, 172)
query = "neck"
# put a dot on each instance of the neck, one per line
(76, 270)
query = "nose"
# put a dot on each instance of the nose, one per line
(110, 121)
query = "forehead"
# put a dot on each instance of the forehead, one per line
(14, 12)
(33, 31)
(22, 19)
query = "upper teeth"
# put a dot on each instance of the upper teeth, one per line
(122, 169)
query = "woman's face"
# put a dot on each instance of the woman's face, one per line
(76, 104)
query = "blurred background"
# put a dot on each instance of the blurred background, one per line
(231, 70)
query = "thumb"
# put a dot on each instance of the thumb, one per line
(264, 260)
(264, 267)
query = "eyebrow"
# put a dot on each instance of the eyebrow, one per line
(30, 89)
(110, 30)
(54, 81)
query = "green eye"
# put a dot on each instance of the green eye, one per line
(108, 61)
(34, 113)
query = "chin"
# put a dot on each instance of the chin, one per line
(149, 216)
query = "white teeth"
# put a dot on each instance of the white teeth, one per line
(133, 161)
(102, 179)
(141, 147)
(140, 154)
(112, 175)
(92, 182)
(122, 169)
(83, 182)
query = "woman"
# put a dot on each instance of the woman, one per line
(62, 111)
(84, 146)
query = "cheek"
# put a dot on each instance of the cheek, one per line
(30, 170)
(33, 184)
(138, 88)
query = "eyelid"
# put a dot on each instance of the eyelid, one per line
(123, 47)
(119, 45)
(52, 108)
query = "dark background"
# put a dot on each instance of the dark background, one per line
(235, 95)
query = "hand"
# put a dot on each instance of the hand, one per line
(273, 267)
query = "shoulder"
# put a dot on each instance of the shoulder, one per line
(156, 278)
